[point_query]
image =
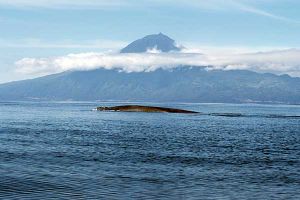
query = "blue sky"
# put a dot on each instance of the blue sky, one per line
(41, 28)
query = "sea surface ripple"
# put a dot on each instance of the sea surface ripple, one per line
(64, 150)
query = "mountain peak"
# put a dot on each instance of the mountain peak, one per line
(159, 41)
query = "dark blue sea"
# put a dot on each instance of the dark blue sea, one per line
(65, 150)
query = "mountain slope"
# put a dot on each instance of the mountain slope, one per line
(159, 41)
(182, 84)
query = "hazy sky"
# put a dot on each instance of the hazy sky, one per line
(44, 29)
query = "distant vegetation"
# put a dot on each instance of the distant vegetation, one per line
(182, 84)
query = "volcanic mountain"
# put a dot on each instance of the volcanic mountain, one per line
(179, 84)
(159, 41)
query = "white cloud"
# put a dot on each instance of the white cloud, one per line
(125, 62)
(217, 5)
(235, 5)
(251, 9)
(278, 62)
(154, 50)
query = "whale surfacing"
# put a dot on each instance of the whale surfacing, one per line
(138, 108)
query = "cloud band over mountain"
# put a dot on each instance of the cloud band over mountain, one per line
(278, 62)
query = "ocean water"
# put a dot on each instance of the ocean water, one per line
(65, 150)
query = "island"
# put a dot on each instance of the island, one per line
(139, 108)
